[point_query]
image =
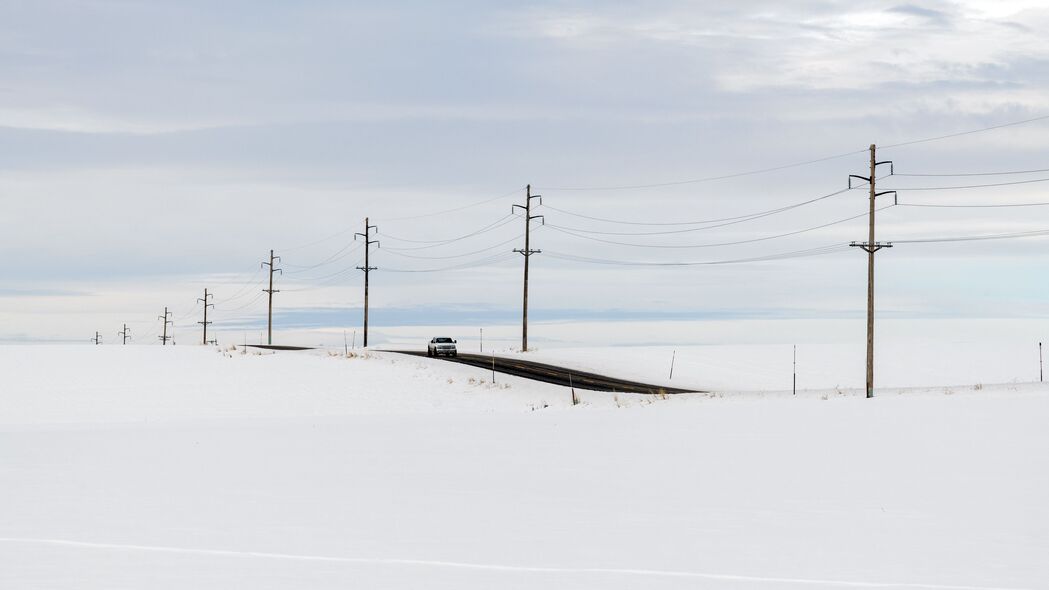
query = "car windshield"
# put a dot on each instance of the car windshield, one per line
(443, 340)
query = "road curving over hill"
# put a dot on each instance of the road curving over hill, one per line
(554, 374)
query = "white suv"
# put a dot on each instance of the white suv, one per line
(441, 346)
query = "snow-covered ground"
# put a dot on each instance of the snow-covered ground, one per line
(186, 467)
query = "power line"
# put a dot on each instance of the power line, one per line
(488, 249)
(979, 173)
(728, 220)
(245, 288)
(819, 251)
(796, 164)
(472, 265)
(342, 253)
(712, 245)
(946, 188)
(703, 179)
(453, 210)
(950, 206)
(337, 273)
(320, 241)
(494, 225)
(961, 133)
(1006, 236)
(251, 302)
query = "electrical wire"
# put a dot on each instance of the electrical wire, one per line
(949, 206)
(712, 245)
(961, 133)
(945, 188)
(253, 301)
(494, 225)
(978, 173)
(728, 220)
(453, 210)
(331, 275)
(342, 253)
(484, 262)
(797, 164)
(488, 249)
(1026, 234)
(320, 241)
(703, 179)
(818, 251)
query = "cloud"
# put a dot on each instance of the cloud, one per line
(177, 143)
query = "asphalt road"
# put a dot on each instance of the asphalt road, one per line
(553, 374)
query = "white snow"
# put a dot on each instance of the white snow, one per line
(182, 467)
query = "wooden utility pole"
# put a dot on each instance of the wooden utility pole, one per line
(124, 334)
(205, 323)
(1041, 375)
(97, 339)
(527, 253)
(166, 318)
(367, 268)
(870, 247)
(271, 291)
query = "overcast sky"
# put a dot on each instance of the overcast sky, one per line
(151, 149)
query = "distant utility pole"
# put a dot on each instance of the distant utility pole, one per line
(205, 323)
(97, 339)
(166, 318)
(527, 253)
(124, 334)
(870, 247)
(271, 291)
(794, 387)
(367, 268)
(1041, 375)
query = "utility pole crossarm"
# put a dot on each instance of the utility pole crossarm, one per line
(863, 178)
(866, 247)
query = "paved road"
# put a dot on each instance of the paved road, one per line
(554, 374)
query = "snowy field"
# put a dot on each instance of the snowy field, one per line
(184, 467)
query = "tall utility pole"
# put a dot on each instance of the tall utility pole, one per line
(870, 247)
(527, 253)
(367, 268)
(1041, 375)
(124, 334)
(166, 318)
(271, 291)
(97, 339)
(205, 323)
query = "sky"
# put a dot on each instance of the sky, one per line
(150, 150)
